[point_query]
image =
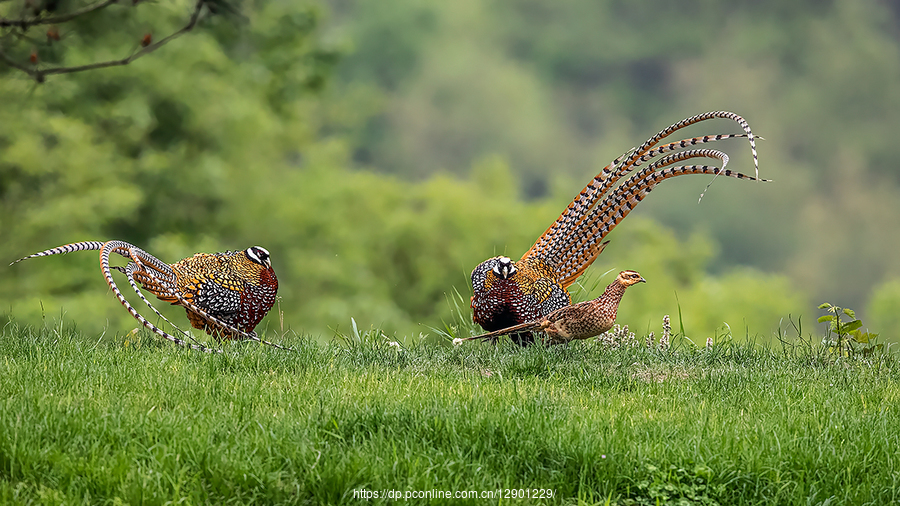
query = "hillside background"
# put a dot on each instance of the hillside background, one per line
(380, 150)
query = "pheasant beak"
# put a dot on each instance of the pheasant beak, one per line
(504, 268)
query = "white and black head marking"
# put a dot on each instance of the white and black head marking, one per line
(259, 255)
(503, 268)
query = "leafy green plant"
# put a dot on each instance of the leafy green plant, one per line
(674, 485)
(846, 338)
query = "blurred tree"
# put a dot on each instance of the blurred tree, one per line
(884, 308)
(163, 155)
(560, 89)
(479, 122)
(47, 37)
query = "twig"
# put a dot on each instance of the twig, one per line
(24, 24)
(39, 75)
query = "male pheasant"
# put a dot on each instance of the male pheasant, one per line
(506, 293)
(579, 321)
(225, 294)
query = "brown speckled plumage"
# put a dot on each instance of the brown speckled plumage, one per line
(504, 291)
(579, 321)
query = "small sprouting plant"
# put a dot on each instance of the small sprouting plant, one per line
(667, 334)
(845, 338)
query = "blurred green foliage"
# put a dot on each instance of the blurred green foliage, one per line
(560, 88)
(885, 310)
(380, 150)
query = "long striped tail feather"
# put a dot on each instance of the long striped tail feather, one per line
(617, 206)
(130, 271)
(145, 261)
(67, 248)
(587, 229)
(662, 134)
(515, 329)
(553, 239)
(107, 274)
(568, 231)
(583, 229)
(127, 253)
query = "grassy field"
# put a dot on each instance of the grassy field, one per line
(138, 421)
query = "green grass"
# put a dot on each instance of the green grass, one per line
(84, 421)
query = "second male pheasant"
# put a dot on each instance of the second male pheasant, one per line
(506, 293)
(578, 321)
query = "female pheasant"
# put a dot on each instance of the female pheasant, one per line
(225, 294)
(580, 321)
(506, 293)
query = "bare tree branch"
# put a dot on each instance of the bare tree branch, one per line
(39, 75)
(52, 20)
